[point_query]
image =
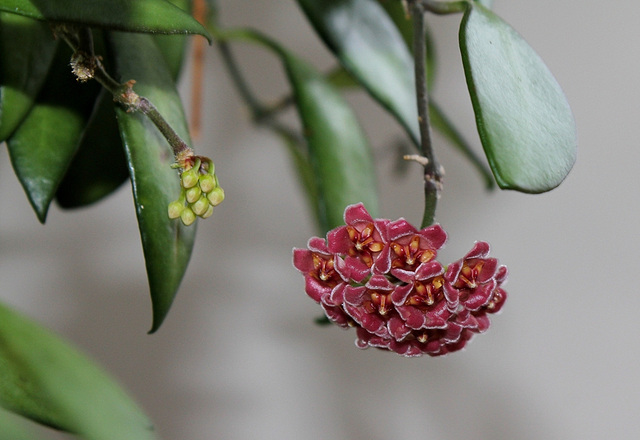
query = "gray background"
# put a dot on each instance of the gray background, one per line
(239, 356)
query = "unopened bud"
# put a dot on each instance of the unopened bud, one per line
(216, 196)
(190, 178)
(175, 208)
(187, 216)
(193, 194)
(200, 207)
(208, 213)
(207, 183)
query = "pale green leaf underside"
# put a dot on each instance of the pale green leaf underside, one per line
(524, 120)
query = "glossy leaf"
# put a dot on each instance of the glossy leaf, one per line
(341, 162)
(167, 243)
(369, 46)
(46, 380)
(150, 16)
(23, 67)
(43, 146)
(100, 165)
(523, 118)
(300, 159)
(338, 150)
(173, 47)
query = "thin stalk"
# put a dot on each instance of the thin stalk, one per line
(85, 61)
(443, 8)
(432, 170)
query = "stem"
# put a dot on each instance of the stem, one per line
(239, 81)
(443, 8)
(84, 59)
(432, 170)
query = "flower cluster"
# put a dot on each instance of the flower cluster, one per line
(382, 278)
(200, 190)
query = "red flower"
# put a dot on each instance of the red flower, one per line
(383, 278)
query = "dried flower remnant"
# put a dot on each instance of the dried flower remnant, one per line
(383, 278)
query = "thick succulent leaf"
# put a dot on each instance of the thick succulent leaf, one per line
(150, 16)
(370, 47)
(167, 243)
(23, 67)
(523, 118)
(45, 379)
(443, 124)
(100, 165)
(43, 146)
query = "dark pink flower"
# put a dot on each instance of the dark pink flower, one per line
(321, 269)
(362, 237)
(382, 278)
(410, 247)
(470, 281)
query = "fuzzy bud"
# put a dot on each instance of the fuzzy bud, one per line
(175, 209)
(193, 194)
(216, 196)
(201, 206)
(208, 213)
(190, 178)
(187, 216)
(207, 183)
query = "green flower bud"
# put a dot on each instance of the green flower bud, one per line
(187, 216)
(207, 183)
(193, 194)
(175, 208)
(201, 206)
(216, 196)
(190, 178)
(208, 213)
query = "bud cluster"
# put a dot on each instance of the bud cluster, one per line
(382, 278)
(200, 190)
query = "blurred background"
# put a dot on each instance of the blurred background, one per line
(239, 356)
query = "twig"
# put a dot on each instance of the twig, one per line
(432, 170)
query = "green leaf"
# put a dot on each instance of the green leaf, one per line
(523, 118)
(369, 46)
(338, 151)
(443, 124)
(23, 67)
(341, 162)
(100, 165)
(167, 243)
(300, 159)
(150, 16)
(173, 47)
(46, 380)
(42, 147)
(397, 13)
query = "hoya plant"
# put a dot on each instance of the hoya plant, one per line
(88, 101)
